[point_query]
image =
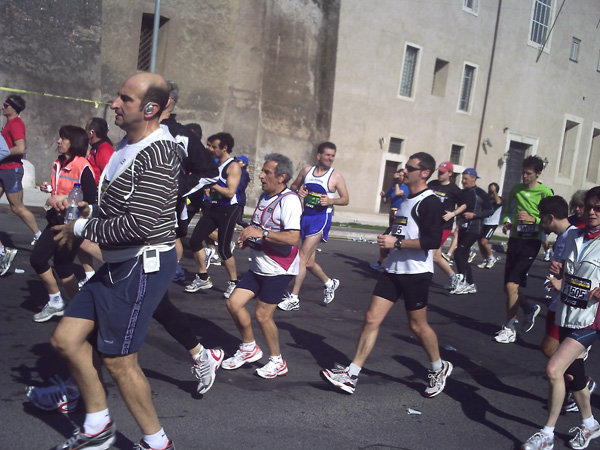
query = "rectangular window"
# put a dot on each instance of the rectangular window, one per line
(409, 69)
(594, 159)
(540, 21)
(145, 50)
(466, 88)
(456, 154)
(396, 145)
(440, 77)
(471, 6)
(569, 146)
(575, 49)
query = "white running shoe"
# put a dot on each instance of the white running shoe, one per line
(242, 357)
(6, 259)
(210, 253)
(290, 302)
(330, 292)
(198, 284)
(491, 262)
(465, 288)
(205, 368)
(61, 395)
(539, 441)
(216, 259)
(437, 380)
(505, 336)
(584, 435)
(456, 281)
(273, 369)
(48, 312)
(483, 264)
(472, 256)
(230, 288)
(340, 378)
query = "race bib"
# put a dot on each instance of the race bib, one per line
(398, 226)
(527, 229)
(312, 200)
(575, 291)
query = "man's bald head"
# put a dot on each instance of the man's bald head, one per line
(152, 89)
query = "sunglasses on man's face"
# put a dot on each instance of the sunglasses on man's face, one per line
(411, 168)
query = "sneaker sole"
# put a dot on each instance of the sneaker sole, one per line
(46, 319)
(293, 308)
(510, 341)
(535, 314)
(208, 286)
(269, 376)
(450, 369)
(344, 387)
(246, 361)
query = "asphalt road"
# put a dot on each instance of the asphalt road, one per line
(495, 398)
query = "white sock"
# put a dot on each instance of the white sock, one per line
(329, 283)
(276, 359)
(89, 275)
(353, 370)
(95, 422)
(157, 440)
(590, 422)
(56, 300)
(248, 346)
(548, 431)
(37, 235)
(294, 296)
(436, 366)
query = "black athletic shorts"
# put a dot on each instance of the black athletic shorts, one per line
(520, 255)
(413, 287)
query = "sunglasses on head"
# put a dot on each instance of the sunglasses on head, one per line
(596, 208)
(411, 168)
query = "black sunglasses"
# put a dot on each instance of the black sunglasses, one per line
(411, 168)
(596, 208)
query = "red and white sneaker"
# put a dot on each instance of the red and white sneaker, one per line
(61, 395)
(340, 378)
(143, 445)
(242, 357)
(205, 368)
(273, 369)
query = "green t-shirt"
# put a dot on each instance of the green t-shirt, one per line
(522, 198)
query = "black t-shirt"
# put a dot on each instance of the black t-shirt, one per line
(450, 195)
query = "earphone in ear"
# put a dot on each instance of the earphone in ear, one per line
(149, 109)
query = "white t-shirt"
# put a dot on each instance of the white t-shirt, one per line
(275, 214)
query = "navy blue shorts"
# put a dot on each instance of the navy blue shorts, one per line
(311, 225)
(584, 336)
(11, 180)
(413, 287)
(121, 299)
(267, 289)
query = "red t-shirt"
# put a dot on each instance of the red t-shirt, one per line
(99, 157)
(13, 131)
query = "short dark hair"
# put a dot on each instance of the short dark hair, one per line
(284, 165)
(196, 129)
(155, 94)
(555, 205)
(225, 139)
(77, 138)
(426, 161)
(99, 126)
(593, 192)
(212, 138)
(18, 101)
(533, 162)
(322, 146)
(495, 185)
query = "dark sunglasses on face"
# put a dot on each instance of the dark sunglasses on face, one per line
(6, 105)
(596, 208)
(411, 168)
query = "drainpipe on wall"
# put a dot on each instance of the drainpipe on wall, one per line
(487, 86)
(155, 36)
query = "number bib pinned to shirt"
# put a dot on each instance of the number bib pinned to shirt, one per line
(312, 200)
(527, 229)
(575, 291)
(398, 226)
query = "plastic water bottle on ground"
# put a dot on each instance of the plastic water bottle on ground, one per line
(74, 197)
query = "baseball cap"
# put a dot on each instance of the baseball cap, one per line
(471, 172)
(243, 158)
(446, 166)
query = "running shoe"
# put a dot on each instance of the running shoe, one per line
(547, 255)
(456, 280)
(179, 273)
(447, 257)
(330, 292)
(210, 254)
(34, 241)
(216, 259)
(376, 267)
(61, 395)
(340, 378)
(570, 405)
(81, 283)
(290, 302)
(230, 288)
(539, 441)
(198, 284)
(483, 264)
(472, 256)
(48, 312)
(465, 288)
(242, 357)
(529, 318)
(6, 259)
(143, 445)
(505, 336)
(584, 435)
(437, 380)
(205, 368)
(99, 441)
(490, 263)
(273, 369)
(232, 246)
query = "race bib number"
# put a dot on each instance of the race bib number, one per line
(527, 229)
(398, 226)
(312, 200)
(575, 291)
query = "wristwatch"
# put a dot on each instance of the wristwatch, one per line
(265, 234)
(398, 244)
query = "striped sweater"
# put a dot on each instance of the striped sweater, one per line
(137, 208)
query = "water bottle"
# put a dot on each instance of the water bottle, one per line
(74, 197)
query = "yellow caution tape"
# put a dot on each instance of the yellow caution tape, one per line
(44, 94)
